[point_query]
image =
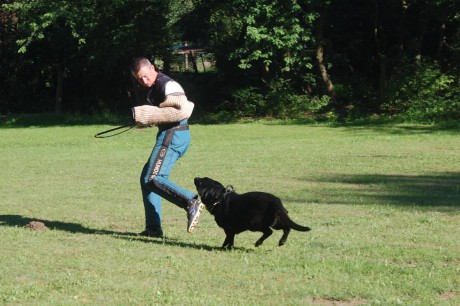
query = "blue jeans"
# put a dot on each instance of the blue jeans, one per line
(155, 183)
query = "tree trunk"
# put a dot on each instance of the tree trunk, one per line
(402, 29)
(320, 58)
(192, 57)
(442, 40)
(379, 40)
(421, 26)
(137, 96)
(59, 89)
(203, 63)
(328, 85)
(167, 64)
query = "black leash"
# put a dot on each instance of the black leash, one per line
(125, 127)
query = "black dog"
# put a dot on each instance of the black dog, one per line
(253, 211)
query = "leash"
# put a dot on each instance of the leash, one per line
(128, 127)
(228, 190)
(125, 127)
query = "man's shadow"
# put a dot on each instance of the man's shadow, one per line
(21, 221)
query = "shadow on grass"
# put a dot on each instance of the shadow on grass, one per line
(208, 118)
(21, 221)
(406, 129)
(48, 120)
(437, 190)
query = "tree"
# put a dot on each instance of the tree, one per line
(278, 57)
(86, 41)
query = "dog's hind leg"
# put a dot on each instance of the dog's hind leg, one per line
(266, 233)
(284, 237)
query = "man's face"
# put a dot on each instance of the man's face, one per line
(146, 76)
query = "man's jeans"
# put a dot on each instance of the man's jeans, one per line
(159, 186)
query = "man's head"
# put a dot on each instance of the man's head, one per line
(143, 71)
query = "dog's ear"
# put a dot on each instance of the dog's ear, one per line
(210, 181)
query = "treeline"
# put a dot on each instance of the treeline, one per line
(280, 58)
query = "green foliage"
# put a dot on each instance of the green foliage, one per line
(278, 35)
(37, 17)
(264, 50)
(424, 93)
(93, 42)
(284, 102)
(276, 100)
(249, 102)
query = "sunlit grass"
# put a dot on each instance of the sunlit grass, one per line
(383, 202)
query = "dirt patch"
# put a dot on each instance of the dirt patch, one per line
(326, 302)
(357, 187)
(36, 226)
(447, 295)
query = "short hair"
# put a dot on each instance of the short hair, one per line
(138, 63)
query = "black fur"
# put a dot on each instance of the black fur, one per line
(253, 211)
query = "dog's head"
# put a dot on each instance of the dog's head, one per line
(209, 190)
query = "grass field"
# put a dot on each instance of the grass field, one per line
(383, 202)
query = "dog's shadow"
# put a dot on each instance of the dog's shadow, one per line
(21, 221)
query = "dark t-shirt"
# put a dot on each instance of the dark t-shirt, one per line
(156, 94)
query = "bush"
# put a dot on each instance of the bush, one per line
(423, 93)
(249, 102)
(278, 100)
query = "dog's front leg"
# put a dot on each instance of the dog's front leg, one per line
(267, 233)
(229, 240)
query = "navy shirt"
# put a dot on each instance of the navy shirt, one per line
(162, 87)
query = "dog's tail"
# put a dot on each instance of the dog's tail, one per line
(282, 213)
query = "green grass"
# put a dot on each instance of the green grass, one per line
(383, 202)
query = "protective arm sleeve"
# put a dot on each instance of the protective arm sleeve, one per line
(173, 109)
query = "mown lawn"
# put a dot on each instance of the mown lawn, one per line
(383, 202)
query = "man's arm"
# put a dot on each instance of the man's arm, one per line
(174, 108)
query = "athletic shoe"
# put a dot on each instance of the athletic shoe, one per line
(193, 214)
(156, 232)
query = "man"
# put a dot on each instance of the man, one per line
(169, 111)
